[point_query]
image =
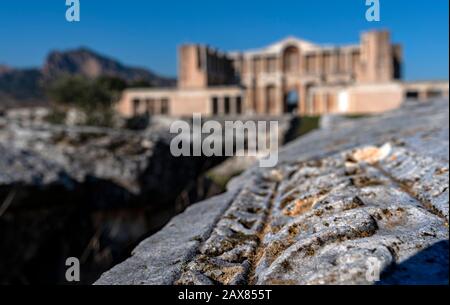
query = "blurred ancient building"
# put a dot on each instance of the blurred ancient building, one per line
(292, 75)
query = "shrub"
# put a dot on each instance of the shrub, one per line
(95, 97)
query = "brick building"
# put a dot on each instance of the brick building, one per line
(292, 75)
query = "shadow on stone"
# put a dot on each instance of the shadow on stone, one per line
(428, 267)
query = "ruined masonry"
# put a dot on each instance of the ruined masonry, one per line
(357, 195)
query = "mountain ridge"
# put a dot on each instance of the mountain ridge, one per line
(24, 87)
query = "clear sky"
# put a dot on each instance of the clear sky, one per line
(147, 32)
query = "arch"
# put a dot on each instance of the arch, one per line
(291, 59)
(291, 100)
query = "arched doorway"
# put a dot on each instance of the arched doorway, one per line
(291, 101)
(291, 60)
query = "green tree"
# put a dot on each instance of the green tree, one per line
(93, 96)
(85, 93)
(142, 83)
(68, 91)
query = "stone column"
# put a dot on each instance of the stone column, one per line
(423, 94)
(233, 106)
(248, 100)
(318, 59)
(334, 61)
(347, 61)
(279, 99)
(221, 105)
(303, 96)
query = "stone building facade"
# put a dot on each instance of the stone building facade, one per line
(291, 75)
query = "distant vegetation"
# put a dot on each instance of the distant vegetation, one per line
(94, 97)
(84, 93)
(307, 124)
(140, 84)
(356, 116)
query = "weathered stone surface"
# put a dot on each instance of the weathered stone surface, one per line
(159, 259)
(89, 192)
(17, 166)
(119, 156)
(137, 163)
(367, 195)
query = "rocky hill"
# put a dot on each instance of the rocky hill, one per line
(20, 87)
(87, 63)
(364, 202)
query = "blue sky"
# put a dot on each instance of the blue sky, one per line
(147, 32)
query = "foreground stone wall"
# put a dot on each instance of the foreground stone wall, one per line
(87, 192)
(91, 192)
(368, 193)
